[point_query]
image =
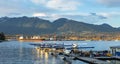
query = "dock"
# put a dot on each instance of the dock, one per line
(116, 57)
(88, 59)
(91, 60)
(108, 58)
(48, 45)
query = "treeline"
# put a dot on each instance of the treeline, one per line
(2, 36)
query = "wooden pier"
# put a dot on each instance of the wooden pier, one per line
(108, 58)
(116, 57)
(91, 60)
(88, 59)
(97, 60)
(59, 48)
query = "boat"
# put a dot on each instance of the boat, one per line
(48, 45)
(70, 52)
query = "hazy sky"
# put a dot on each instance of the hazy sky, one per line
(89, 11)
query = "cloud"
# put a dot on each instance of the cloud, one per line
(28, 7)
(83, 17)
(11, 7)
(25, 7)
(38, 2)
(105, 14)
(93, 18)
(110, 3)
(110, 14)
(15, 13)
(98, 15)
(39, 14)
(61, 5)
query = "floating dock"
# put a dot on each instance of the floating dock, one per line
(91, 60)
(87, 59)
(48, 45)
(62, 46)
(108, 58)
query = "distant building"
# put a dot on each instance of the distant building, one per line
(21, 37)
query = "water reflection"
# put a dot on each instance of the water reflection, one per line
(113, 61)
(18, 53)
(45, 57)
(14, 52)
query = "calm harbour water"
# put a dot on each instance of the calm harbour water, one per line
(14, 52)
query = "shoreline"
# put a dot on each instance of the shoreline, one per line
(65, 40)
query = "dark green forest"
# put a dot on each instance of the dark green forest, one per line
(2, 36)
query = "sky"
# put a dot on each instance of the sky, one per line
(88, 11)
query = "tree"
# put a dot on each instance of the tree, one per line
(2, 36)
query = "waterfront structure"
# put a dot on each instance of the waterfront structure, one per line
(115, 50)
(30, 38)
(81, 37)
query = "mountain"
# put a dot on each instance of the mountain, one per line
(65, 25)
(118, 27)
(25, 25)
(34, 25)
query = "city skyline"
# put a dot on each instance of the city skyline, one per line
(88, 11)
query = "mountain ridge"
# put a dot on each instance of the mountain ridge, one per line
(35, 25)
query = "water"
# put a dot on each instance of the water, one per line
(14, 52)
